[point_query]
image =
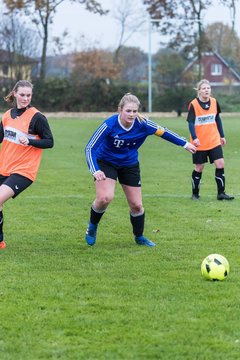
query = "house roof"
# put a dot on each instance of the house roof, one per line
(219, 57)
(4, 57)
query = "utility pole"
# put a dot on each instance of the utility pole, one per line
(150, 21)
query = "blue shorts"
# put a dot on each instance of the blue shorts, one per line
(126, 175)
(16, 182)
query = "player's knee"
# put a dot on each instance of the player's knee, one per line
(137, 208)
(199, 168)
(220, 164)
(104, 200)
(2, 200)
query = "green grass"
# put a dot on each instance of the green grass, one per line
(61, 299)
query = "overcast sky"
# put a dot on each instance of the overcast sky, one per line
(103, 31)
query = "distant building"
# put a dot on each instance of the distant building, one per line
(214, 68)
(14, 67)
(59, 66)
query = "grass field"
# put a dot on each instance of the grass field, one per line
(61, 299)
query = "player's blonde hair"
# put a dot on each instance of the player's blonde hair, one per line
(130, 98)
(200, 83)
(21, 83)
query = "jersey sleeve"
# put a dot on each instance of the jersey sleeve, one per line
(170, 136)
(219, 125)
(191, 114)
(39, 125)
(1, 132)
(218, 108)
(90, 150)
(192, 130)
(151, 127)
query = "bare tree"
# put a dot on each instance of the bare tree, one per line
(42, 12)
(231, 4)
(131, 19)
(182, 21)
(20, 46)
(60, 42)
(225, 41)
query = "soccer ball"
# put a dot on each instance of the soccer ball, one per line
(215, 267)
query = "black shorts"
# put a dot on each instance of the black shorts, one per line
(16, 182)
(126, 175)
(201, 157)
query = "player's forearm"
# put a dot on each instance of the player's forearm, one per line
(219, 125)
(41, 143)
(1, 133)
(191, 127)
(92, 162)
(173, 138)
(90, 150)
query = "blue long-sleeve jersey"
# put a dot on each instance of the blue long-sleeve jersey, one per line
(118, 145)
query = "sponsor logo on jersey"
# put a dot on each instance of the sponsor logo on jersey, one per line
(118, 143)
(205, 119)
(13, 135)
(9, 134)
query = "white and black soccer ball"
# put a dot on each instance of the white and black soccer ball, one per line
(215, 267)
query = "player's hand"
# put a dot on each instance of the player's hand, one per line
(99, 175)
(24, 140)
(191, 148)
(196, 142)
(223, 141)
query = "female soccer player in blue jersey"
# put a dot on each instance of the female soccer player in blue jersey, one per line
(112, 153)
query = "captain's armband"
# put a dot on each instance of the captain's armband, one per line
(160, 131)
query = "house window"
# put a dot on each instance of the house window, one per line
(5, 69)
(198, 69)
(216, 69)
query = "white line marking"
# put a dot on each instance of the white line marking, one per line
(78, 196)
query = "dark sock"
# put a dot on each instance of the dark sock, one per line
(137, 224)
(95, 216)
(1, 226)
(220, 180)
(196, 180)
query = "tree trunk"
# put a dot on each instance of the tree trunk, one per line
(44, 48)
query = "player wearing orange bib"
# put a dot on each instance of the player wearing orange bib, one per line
(24, 132)
(206, 133)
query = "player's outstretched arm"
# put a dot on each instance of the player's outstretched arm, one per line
(190, 147)
(174, 138)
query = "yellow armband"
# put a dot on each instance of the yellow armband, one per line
(160, 131)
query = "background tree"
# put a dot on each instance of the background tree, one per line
(169, 65)
(130, 19)
(231, 5)
(225, 42)
(169, 94)
(94, 64)
(231, 51)
(182, 21)
(20, 44)
(41, 12)
(132, 63)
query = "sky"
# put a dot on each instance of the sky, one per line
(104, 31)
